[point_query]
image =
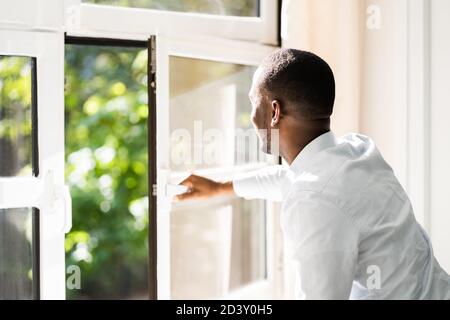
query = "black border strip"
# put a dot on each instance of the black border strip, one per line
(152, 171)
(88, 41)
(258, 8)
(279, 40)
(35, 242)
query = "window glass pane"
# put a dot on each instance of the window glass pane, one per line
(219, 7)
(216, 249)
(15, 116)
(106, 152)
(17, 227)
(210, 115)
(16, 258)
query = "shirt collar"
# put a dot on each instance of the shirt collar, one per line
(326, 140)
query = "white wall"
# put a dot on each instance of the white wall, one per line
(440, 131)
(331, 29)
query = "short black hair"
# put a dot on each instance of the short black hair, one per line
(300, 79)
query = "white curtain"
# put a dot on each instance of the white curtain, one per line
(332, 30)
(370, 65)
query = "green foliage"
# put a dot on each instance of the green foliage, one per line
(106, 168)
(15, 115)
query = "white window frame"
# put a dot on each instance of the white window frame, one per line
(36, 28)
(32, 15)
(417, 102)
(241, 40)
(218, 50)
(139, 23)
(47, 191)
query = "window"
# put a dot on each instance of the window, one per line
(248, 20)
(201, 46)
(16, 254)
(107, 163)
(243, 8)
(209, 101)
(217, 245)
(19, 275)
(15, 115)
(106, 169)
(221, 245)
(34, 203)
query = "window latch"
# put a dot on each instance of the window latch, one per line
(171, 190)
(38, 192)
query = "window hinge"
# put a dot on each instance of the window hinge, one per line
(152, 62)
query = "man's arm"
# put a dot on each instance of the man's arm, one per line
(261, 184)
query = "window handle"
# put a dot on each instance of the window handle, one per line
(57, 197)
(166, 189)
(38, 192)
(173, 190)
(64, 195)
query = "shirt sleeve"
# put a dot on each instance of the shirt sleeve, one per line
(323, 243)
(265, 183)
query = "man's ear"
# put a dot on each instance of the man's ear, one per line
(276, 113)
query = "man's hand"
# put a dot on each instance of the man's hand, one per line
(203, 188)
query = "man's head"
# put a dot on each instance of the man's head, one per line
(291, 89)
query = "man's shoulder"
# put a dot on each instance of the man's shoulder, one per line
(344, 169)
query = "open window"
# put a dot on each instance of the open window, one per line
(197, 85)
(34, 203)
(197, 119)
(106, 147)
(249, 20)
(221, 247)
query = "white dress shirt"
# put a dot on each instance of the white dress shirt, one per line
(348, 224)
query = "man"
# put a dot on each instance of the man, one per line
(347, 222)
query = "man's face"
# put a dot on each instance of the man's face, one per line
(261, 115)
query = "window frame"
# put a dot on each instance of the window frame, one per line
(151, 123)
(38, 31)
(212, 49)
(218, 50)
(46, 191)
(139, 23)
(241, 40)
